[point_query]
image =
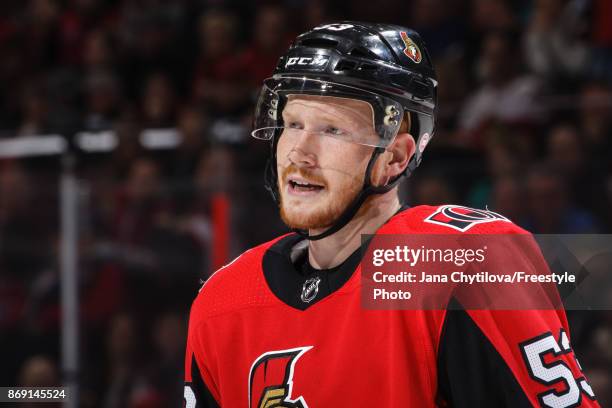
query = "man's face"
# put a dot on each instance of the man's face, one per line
(318, 176)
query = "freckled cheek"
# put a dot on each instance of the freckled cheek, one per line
(282, 152)
(343, 170)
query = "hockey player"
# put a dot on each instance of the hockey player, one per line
(349, 112)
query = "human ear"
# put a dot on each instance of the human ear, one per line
(394, 160)
(398, 154)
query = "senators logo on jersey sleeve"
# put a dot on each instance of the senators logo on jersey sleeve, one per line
(271, 380)
(462, 218)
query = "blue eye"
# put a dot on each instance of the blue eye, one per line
(332, 130)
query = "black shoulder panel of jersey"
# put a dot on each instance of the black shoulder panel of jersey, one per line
(203, 396)
(471, 373)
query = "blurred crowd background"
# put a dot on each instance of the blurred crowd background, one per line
(524, 129)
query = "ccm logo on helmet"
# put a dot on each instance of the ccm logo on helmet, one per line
(318, 61)
(463, 218)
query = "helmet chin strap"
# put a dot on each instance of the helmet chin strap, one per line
(367, 190)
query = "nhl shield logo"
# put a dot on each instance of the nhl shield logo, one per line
(310, 289)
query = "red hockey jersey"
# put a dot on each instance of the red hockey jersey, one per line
(255, 342)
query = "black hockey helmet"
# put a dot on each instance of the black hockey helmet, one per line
(383, 64)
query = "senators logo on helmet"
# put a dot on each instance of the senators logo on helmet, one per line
(411, 50)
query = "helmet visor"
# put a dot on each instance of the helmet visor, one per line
(289, 105)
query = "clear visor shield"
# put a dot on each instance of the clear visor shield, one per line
(294, 106)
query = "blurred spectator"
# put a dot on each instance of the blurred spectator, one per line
(566, 151)
(128, 130)
(79, 44)
(363, 10)
(270, 37)
(151, 36)
(67, 95)
(316, 12)
(554, 42)
(452, 71)
(505, 94)
(41, 34)
(34, 112)
(123, 361)
(436, 21)
(138, 204)
(39, 371)
(216, 171)
(595, 103)
(20, 228)
(599, 379)
(14, 190)
(507, 152)
(13, 293)
(97, 51)
(102, 92)
(146, 396)
(192, 128)
(492, 15)
(158, 102)
(432, 189)
(169, 336)
(598, 26)
(550, 208)
(508, 198)
(19, 233)
(217, 81)
(215, 176)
